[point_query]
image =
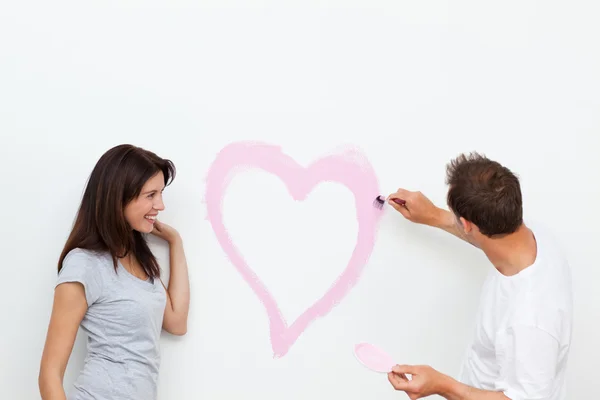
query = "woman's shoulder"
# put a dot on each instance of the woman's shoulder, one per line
(89, 268)
(88, 258)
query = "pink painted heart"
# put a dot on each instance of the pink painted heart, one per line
(349, 168)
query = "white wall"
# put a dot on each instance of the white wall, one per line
(411, 84)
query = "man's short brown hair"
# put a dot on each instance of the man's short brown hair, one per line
(485, 193)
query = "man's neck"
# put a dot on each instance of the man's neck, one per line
(512, 253)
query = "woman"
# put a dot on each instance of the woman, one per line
(109, 282)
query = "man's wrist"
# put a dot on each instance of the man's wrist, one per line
(451, 389)
(442, 219)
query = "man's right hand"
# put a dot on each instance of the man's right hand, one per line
(418, 208)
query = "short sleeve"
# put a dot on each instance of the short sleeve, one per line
(79, 267)
(528, 359)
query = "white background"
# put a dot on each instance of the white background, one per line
(412, 83)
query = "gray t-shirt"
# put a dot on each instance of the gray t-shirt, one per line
(123, 322)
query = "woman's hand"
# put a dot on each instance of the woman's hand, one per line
(165, 232)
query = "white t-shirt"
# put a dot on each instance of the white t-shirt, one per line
(523, 328)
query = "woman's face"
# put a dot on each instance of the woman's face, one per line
(141, 212)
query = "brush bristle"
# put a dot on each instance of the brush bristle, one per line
(378, 202)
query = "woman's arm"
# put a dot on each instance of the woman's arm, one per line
(178, 290)
(67, 312)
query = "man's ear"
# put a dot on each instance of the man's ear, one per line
(467, 226)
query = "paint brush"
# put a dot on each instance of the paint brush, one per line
(380, 201)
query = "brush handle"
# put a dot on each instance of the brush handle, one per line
(399, 201)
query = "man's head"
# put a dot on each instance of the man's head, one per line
(484, 196)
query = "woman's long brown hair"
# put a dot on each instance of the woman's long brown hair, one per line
(100, 225)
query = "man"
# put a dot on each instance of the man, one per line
(523, 327)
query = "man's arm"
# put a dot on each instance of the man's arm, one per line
(527, 371)
(419, 209)
(426, 381)
(455, 390)
(446, 222)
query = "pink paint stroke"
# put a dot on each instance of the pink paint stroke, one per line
(349, 168)
(373, 357)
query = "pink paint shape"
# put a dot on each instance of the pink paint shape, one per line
(349, 168)
(373, 357)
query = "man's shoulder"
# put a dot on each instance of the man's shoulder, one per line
(543, 230)
(549, 246)
(546, 285)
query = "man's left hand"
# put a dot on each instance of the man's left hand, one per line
(425, 381)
